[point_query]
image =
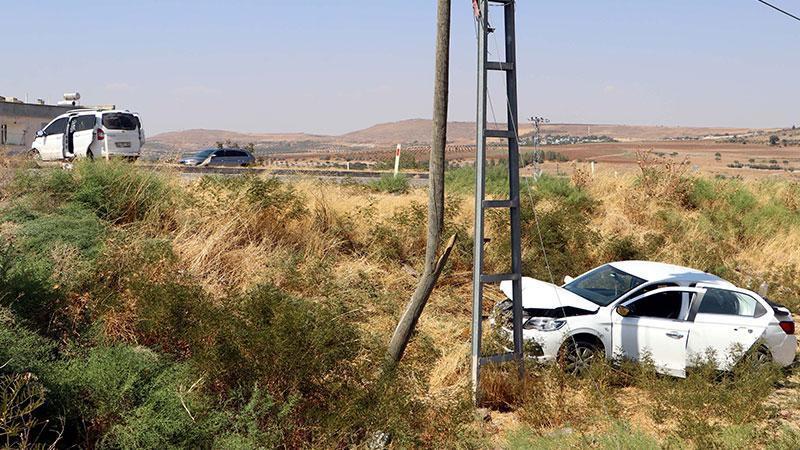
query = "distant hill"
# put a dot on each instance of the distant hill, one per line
(407, 131)
(200, 138)
(419, 131)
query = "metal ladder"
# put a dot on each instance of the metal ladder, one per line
(512, 203)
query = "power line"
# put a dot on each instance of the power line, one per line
(780, 10)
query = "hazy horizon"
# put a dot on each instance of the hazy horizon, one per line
(323, 68)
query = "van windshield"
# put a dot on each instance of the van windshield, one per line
(119, 121)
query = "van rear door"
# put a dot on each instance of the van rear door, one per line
(141, 129)
(121, 133)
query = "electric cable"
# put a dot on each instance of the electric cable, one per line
(779, 10)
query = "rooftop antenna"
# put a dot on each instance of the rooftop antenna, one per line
(481, 8)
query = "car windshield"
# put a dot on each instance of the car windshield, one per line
(603, 285)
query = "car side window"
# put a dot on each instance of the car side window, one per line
(238, 153)
(663, 305)
(721, 301)
(57, 127)
(649, 288)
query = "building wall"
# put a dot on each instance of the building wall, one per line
(19, 123)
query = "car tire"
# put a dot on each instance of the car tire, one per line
(577, 355)
(90, 155)
(35, 155)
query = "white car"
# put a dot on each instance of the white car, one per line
(90, 133)
(674, 315)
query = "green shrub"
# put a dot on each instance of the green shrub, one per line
(168, 410)
(391, 184)
(121, 193)
(71, 225)
(22, 350)
(462, 179)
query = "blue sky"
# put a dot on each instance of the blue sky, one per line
(325, 66)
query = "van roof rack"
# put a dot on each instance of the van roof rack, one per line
(95, 108)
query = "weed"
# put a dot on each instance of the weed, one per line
(391, 184)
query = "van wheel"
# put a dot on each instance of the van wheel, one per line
(90, 155)
(577, 355)
(35, 155)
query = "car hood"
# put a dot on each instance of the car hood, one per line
(537, 294)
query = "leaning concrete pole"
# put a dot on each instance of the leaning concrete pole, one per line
(433, 268)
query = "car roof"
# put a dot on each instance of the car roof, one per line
(657, 271)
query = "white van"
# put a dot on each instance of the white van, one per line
(90, 133)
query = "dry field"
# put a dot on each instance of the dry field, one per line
(225, 281)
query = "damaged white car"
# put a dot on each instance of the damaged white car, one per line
(629, 309)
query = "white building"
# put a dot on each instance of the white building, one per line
(19, 121)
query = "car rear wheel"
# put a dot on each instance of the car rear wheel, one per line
(90, 155)
(35, 155)
(577, 355)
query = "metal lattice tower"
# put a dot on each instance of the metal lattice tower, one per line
(512, 203)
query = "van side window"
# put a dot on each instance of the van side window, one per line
(57, 127)
(720, 301)
(83, 123)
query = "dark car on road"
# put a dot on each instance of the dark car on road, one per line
(219, 157)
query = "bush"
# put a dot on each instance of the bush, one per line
(121, 193)
(391, 184)
(462, 179)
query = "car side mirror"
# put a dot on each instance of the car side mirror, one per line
(623, 311)
(40, 133)
(568, 279)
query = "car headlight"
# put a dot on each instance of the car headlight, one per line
(543, 324)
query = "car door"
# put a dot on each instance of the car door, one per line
(83, 134)
(654, 327)
(218, 158)
(727, 322)
(53, 140)
(239, 158)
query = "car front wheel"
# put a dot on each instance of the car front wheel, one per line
(577, 355)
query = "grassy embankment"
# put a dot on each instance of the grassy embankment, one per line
(141, 312)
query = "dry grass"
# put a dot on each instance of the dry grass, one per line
(324, 241)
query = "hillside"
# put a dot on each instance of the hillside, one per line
(419, 131)
(201, 138)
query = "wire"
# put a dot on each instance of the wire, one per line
(780, 10)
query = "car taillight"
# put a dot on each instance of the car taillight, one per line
(100, 134)
(787, 327)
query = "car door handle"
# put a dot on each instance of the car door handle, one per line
(749, 330)
(675, 335)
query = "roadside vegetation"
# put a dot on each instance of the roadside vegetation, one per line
(137, 311)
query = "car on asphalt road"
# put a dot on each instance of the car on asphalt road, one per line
(90, 133)
(232, 157)
(673, 316)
